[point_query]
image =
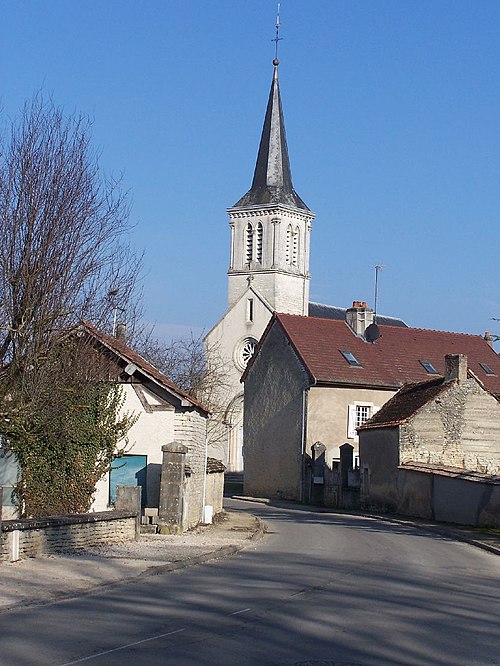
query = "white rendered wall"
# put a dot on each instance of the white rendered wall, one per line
(146, 437)
(224, 343)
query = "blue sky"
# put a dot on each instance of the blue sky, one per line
(392, 110)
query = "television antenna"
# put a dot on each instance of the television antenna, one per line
(378, 268)
(372, 333)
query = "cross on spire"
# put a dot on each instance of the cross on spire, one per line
(277, 37)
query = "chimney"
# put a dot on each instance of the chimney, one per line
(455, 367)
(121, 332)
(488, 339)
(359, 317)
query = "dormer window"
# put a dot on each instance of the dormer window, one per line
(428, 367)
(350, 358)
(488, 369)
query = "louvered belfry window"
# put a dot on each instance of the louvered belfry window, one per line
(288, 244)
(295, 254)
(249, 243)
(259, 242)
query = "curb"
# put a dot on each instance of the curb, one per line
(460, 534)
(455, 533)
(217, 554)
(154, 570)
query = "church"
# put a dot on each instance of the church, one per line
(270, 228)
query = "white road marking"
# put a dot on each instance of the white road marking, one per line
(122, 647)
(244, 610)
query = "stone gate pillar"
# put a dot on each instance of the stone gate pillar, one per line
(318, 450)
(171, 488)
(346, 463)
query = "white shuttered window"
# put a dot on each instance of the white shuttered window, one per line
(357, 414)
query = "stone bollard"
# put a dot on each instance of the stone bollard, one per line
(171, 488)
(128, 498)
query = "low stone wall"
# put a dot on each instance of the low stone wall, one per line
(46, 536)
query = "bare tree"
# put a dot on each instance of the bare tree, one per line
(64, 249)
(198, 370)
(64, 234)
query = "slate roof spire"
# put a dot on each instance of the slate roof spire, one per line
(272, 180)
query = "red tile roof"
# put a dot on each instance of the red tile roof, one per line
(390, 362)
(405, 403)
(122, 350)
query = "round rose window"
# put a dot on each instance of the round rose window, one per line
(244, 352)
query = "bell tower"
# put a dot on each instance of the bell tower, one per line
(270, 225)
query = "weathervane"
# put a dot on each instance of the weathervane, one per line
(277, 37)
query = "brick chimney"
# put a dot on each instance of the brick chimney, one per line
(121, 332)
(359, 317)
(455, 367)
(488, 339)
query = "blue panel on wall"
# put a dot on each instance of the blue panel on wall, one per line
(128, 471)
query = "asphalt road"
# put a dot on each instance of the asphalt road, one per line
(319, 589)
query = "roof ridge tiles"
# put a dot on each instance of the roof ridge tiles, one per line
(438, 330)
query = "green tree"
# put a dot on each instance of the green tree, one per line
(63, 452)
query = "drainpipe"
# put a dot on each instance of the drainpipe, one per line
(303, 444)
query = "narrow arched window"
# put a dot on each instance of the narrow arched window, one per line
(249, 243)
(296, 245)
(259, 243)
(288, 244)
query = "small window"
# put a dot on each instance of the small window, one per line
(350, 358)
(488, 369)
(357, 415)
(428, 367)
(363, 413)
(249, 309)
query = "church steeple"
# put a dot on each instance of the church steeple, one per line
(272, 180)
(270, 224)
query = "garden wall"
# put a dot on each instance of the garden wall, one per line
(56, 534)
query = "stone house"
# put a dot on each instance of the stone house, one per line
(312, 382)
(165, 415)
(433, 450)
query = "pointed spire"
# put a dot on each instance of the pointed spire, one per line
(272, 180)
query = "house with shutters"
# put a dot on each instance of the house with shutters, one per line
(313, 381)
(433, 450)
